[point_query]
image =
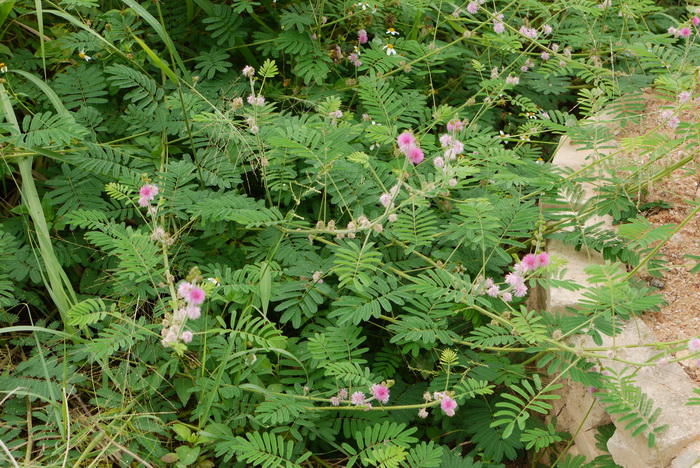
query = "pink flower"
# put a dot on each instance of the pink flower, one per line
(545, 56)
(499, 27)
(543, 259)
(196, 296)
(362, 36)
(448, 406)
(507, 297)
(144, 202)
(685, 32)
(455, 148)
(695, 20)
(547, 29)
(406, 140)
(439, 162)
(342, 394)
(673, 122)
(416, 155)
(513, 279)
(381, 393)
(520, 289)
(184, 289)
(512, 80)
(148, 191)
(528, 32)
(248, 71)
(473, 7)
(694, 345)
(452, 182)
(446, 140)
(335, 401)
(187, 336)
(193, 312)
(357, 398)
(488, 283)
(493, 291)
(385, 199)
(684, 96)
(673, 31)
(354, 59)
(530, 262)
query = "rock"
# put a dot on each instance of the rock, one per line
(688, 458)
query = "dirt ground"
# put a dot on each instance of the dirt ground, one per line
(680, 319)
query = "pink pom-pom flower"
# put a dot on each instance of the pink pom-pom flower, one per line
(381, 393)
(448, 405)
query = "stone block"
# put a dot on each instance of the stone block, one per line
(669, 387)
(558, 299)
(688, 458)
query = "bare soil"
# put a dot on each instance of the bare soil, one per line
(680, 319)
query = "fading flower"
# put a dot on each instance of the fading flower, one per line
(385, 199)
(248, 71)
(193, 312)
(187, 336)
(357, 398)
(694, 345)
(520, 290)
(423, 413)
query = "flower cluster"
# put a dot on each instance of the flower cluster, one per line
(380, 393)
(409, 146)
(146, 194)
(499, 26)
(254, 100)
(191, 296)
(672, 121)
(515, 280)
(452, 146)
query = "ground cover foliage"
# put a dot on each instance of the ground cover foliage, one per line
(302, 233)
